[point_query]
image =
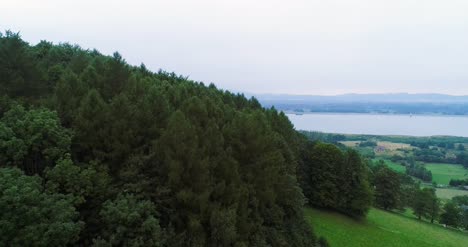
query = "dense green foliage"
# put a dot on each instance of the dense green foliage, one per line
(451, 215)
(387, 188)
(426, 204)
(31, 217)
(335, 179)
(419, 171)
(129, 222)
(458, 182)
(123, 156)
(32, 140)
(462, 203)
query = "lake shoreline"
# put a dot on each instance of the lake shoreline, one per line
(376, 113)
(382, 124)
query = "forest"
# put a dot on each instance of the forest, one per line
(109, 154)
(97, 152)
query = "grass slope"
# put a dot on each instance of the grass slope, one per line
(382, 229)
(442, 173)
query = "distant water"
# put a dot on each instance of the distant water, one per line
(379, 124)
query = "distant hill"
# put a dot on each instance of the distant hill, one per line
(392, 97)
(396, 103)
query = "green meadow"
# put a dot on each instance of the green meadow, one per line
(448, 193)
(394, 166)
(382, 229)
(442, 173)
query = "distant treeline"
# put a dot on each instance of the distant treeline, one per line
(450, 141)
(429, 149)
(371, 107)
(419, 171)
(458, 182)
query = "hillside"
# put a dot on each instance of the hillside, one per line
(116, 155)
(109, 154)
(382, 229)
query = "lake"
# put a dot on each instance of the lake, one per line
(382, 124)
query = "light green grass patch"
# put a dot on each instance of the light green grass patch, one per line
(450, 193)
(382, 229)
(442, 173)
(394, 166)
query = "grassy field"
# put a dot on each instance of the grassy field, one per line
(394, 146)
(394, 166)
(442, 173)
(382, 229)
(450, 193)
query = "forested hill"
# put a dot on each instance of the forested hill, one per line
(113, 154)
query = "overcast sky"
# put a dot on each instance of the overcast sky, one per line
(267, 46)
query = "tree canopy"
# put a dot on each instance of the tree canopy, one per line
(117, 152)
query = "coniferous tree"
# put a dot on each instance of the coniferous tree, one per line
(19, 74)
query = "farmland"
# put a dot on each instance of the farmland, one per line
(442, 173)
(449, 193)
(394, 166)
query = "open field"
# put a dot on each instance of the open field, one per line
(394, 146)
(442, 173)
(382, 229)
(450, 193)
(394, 166)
